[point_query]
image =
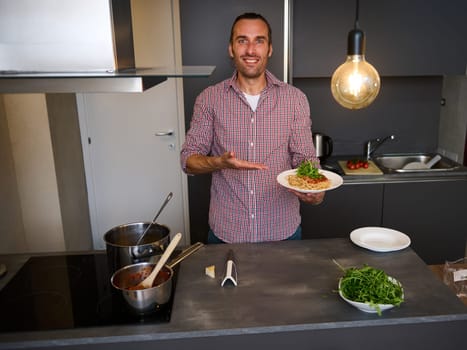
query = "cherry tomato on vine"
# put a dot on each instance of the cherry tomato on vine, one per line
(354, 164)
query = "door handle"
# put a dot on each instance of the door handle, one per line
(164, 133)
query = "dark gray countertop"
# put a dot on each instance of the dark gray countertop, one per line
(283, 287)
(459, 174)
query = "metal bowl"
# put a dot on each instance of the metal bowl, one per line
(122, 249)
(143, 301)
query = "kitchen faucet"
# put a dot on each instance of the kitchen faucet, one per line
(373, 145)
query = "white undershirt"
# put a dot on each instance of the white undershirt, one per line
(252, 100)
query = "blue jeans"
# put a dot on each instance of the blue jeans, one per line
(213, 239)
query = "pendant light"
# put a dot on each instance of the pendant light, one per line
(355, 84)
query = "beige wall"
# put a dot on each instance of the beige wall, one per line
(69, 169)
(11, 222)
(35, 223)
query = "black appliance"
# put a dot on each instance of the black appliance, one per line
(323, 145)
(68, 291)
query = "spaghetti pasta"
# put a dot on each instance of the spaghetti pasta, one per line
(307, 183)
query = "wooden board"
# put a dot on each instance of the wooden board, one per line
(371, 170)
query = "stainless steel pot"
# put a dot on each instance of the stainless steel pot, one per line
(145, 301)
(122, 249)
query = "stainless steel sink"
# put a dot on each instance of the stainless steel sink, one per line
(394, 163)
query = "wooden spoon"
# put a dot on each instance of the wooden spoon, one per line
(149, 281)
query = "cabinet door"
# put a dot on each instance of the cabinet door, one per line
(432, 214)
(417, 37)
(343, 210)
(130, 170)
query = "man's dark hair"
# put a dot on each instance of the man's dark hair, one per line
(251, 15)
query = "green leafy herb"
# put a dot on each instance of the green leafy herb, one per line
(307, 168)
(370, 285)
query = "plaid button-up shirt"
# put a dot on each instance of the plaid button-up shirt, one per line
(249, 205)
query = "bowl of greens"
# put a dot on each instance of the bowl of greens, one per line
(370, 290)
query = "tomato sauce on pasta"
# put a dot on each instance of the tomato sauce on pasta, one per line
(307, 183)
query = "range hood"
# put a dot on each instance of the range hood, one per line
(53, 46)
(134, 80)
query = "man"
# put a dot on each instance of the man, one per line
(245, 131)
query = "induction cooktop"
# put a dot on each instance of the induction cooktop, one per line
(68, 291)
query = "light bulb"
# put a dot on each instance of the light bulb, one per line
(356, 83)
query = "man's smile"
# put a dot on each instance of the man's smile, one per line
(250, 60)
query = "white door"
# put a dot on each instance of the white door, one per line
(129, 169)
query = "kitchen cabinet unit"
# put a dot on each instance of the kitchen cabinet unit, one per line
(343, 210)
(403, 38)
(286, 296)
(433, 214)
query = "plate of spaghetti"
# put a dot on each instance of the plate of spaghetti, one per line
(322, 180)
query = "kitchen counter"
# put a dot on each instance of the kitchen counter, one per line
(423, 176)
(286, 295)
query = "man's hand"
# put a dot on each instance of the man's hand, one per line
(310, 198)
(199, 164)
(229, 161)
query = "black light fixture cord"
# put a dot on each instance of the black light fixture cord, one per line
(356, 14)
(356, 37)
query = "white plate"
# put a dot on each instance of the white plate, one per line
(334, 178)
(366, 307)
(379, 239)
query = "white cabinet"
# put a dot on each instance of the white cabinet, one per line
(51, 36)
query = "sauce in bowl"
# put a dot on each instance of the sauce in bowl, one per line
(135, 279)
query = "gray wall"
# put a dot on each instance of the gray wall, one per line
(408, 107)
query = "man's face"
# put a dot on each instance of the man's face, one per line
(250, 47)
